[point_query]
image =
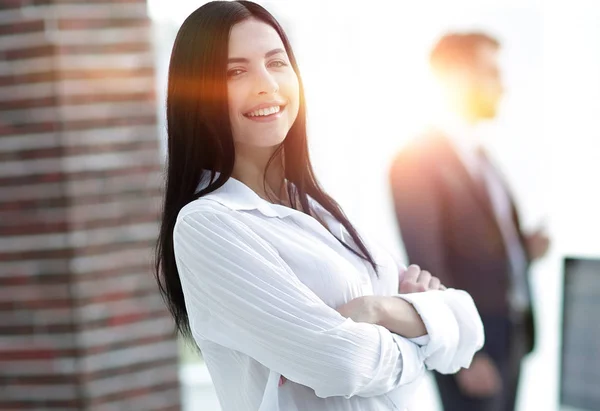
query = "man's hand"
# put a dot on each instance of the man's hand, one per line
(537, 244)
(481, 379)
(415, 280)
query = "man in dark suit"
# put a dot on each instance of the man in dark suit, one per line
(457, 219)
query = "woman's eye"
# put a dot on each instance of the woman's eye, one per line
(234, 72)
(277, 63)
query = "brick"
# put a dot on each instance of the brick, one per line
(26, 293)
(82, 238)
(36, 304)
(77, 10)
(32, 228)
(25, 91)
(24, 53)
(80, 37)
(102, 61)
(91, 313)
(99, 23)
(72, 151)
(71, 405)
(37, 318)
(11, 129)
(48, 329)
(27, 103)
(157, 400)
(11, 4)
(142, 96)
(24, 40)
(16, 317)
(33, 268)
(77, 113)
(22, 242)
(103, 49)
(41, 379)
(130, 381)
(57, 352)
(26, 26)
(23, 66)
(48, 75)
(32, 392)
(160, 327)
(77, 87)
(117, 260)
(139, 67)
(95, 187)
(81, 163)
(125, 134)
(116, 121)
(82, 325)
(84, 251)
(127, 285)
(52, 221)
(131, 342)
(114, 275)
(130, 356)
(54, 2)
(102, 86)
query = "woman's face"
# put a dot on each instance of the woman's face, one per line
(262, 86)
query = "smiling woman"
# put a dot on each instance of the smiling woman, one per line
(291, 308)
(262, 86)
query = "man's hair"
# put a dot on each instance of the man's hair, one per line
(458, 50)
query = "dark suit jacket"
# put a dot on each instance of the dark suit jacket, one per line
(448, 228)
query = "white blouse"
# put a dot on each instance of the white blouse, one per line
(261, 283)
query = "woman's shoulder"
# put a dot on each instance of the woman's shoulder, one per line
(203, 209)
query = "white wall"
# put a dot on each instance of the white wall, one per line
(364, 68)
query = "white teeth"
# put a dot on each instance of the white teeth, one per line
(265, 111)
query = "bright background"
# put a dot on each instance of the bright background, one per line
(364, 65)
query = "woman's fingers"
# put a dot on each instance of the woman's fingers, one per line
(415, 280)
(435, 284)
(408, 282)
(412, 273)
(423, 280)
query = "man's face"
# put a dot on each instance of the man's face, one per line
(484, 83)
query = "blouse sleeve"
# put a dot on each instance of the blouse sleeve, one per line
(454, 328)
(240, 294)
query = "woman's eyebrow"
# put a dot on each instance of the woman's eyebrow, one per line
(245, 60)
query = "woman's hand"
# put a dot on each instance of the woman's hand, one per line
(365, 309)
(393, 313)
(415, 280)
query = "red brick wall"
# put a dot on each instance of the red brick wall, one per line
(82, 326)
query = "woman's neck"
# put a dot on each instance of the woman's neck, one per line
(249, 168)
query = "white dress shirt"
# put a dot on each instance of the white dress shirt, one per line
(466, 140)
(261, 283)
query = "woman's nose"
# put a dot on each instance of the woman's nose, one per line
(266, 83)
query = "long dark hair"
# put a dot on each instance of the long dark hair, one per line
(200, 139)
